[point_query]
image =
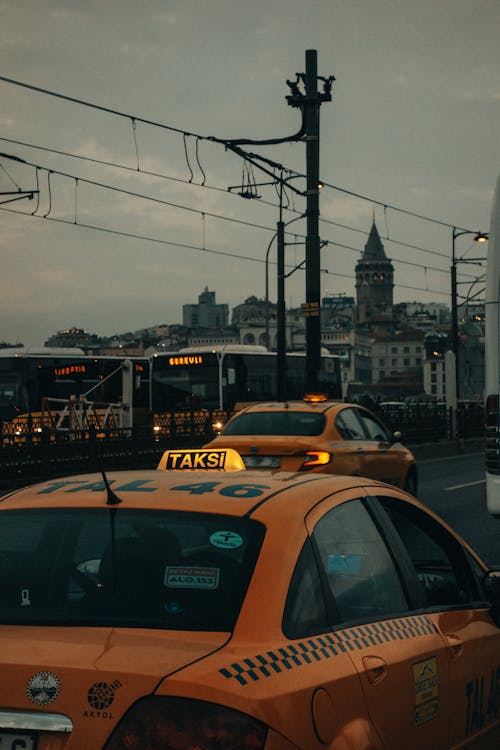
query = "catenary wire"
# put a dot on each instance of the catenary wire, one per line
(221, 217)
(223, 142)
(142, 171)
(193, 247)
(261, 201)
(135, 194)
(201, 213)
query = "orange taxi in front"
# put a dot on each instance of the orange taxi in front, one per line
(202, 606)
(319, 436)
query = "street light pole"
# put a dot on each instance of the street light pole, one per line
(275, 235)
(455, 342)
(268, 342)
(281, 316)
(454, 312)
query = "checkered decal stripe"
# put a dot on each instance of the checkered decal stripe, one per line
(327, 646)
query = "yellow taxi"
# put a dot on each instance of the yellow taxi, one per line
(319, 436)
(202, 606)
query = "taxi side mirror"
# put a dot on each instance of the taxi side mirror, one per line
(492, 587)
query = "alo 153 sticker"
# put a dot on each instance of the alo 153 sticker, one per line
(178, 577)
(226, 539)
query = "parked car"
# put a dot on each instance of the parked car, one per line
(319, 436)
(207, 606)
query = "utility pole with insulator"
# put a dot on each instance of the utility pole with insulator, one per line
(310, 102)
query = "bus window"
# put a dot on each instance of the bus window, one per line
(219, 377)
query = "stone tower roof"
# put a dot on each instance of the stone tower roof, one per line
(374, 249)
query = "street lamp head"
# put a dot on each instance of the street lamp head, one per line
(478, 236)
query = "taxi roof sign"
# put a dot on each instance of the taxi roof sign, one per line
(226, 459)
(315, 398)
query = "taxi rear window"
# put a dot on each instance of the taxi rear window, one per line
(125, 568)
(276, 423)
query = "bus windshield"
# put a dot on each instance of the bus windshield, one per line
(219, 378)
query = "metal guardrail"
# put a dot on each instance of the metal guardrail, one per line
(30, 455)
(49, 454)
(422, 422)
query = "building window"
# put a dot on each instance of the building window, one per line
(381, 362)
(394, 350)
(406, 362)
(394, 362)
(406, 350)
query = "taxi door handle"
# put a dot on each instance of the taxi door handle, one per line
(375, 668)
(455, 645)
(360, 450)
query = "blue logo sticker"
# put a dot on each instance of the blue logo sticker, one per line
(226, 540)
(344, 564)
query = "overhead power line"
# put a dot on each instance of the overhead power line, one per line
(199, 212)
(386, 238)
(135, 170)
(385, 205)
(160, 175)
(228, 143)
(135, 194)
(99, 107)
(202, 249)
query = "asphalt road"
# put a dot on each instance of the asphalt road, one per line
(454, 487)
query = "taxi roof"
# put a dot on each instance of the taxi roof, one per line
(235, 493)
(292, 405)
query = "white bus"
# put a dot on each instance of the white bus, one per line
(492, 361)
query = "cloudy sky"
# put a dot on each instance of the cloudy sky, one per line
(133, 220)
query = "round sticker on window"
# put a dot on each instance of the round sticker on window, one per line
(226, 540)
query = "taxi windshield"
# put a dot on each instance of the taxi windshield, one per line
(125, 568)
(276, 423)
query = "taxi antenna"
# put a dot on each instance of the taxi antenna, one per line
(111, 496)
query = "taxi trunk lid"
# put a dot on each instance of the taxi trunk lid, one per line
(272, 451)
(89, 673)
(266, 445)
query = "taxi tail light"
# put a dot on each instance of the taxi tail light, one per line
(316, 458)
(185, 724)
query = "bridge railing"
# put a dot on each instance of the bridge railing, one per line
(422, 422)
(29, 451)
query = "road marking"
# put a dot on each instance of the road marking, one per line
(467, 484)
(453, 457)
